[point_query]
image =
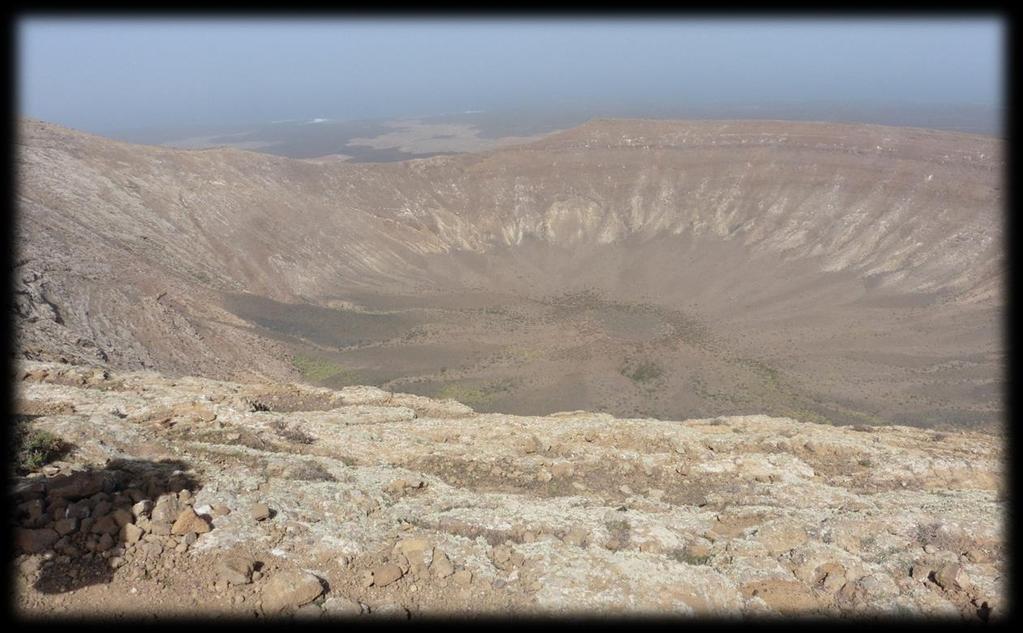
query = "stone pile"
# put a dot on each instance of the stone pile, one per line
(90, 515)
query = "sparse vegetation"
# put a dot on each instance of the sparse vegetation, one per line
(642, 372)
(258, 406)
(621, 533)
(36, 448)
(292, 434)
(683, 555)
(473, 396)
(320, 370)
(768, 373)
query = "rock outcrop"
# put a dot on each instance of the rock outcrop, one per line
(182, 496)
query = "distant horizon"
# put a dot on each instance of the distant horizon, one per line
(729, 107)
(959, 118)
(113, 76)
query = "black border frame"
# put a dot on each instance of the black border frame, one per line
(784, 10)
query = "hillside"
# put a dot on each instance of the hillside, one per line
(261, 499)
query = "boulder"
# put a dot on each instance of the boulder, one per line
(289, 590)
(441, 566)
(105, 525)
(77, 485)
(951, 576)
(122, 517)
(384, 575)
(236, 570)
(34, 541)
(188, 521)
(131, 533)
(341, 606)
(260, 511)
(167, 509)
(66, 525)
(142, 509)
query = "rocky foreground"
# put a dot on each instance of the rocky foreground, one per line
(186, 496)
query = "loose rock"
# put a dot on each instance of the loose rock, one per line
(236, 570)
(384, 575)
(290, 589)
(189, 521)
(260, 511)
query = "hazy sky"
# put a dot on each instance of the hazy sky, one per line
(103, 75)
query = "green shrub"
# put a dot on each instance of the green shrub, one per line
(37, 448)
(684, 556)
(320, 370)
(643, 371)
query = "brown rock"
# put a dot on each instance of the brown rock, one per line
(698, 548)
(951, 576)
(236, 570)
(30, 490)
(189, 521)
(66, 526)
(921, 572)
(412, 545)
(105, 525)
(78, 509)
(290, 590)
(384, 575)
(260, 511)
(501, 554)
(441, 566)
(142, 508)
(977, 556)
(77, 485)
(122, 517)
(160, 529)
(131, 533)
(34, 541)
(311, 611)
(167, 509)
(785, 596)
(33, 510)
(341, 606)
(105, 542)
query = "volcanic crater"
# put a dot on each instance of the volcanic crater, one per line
(846, 274)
